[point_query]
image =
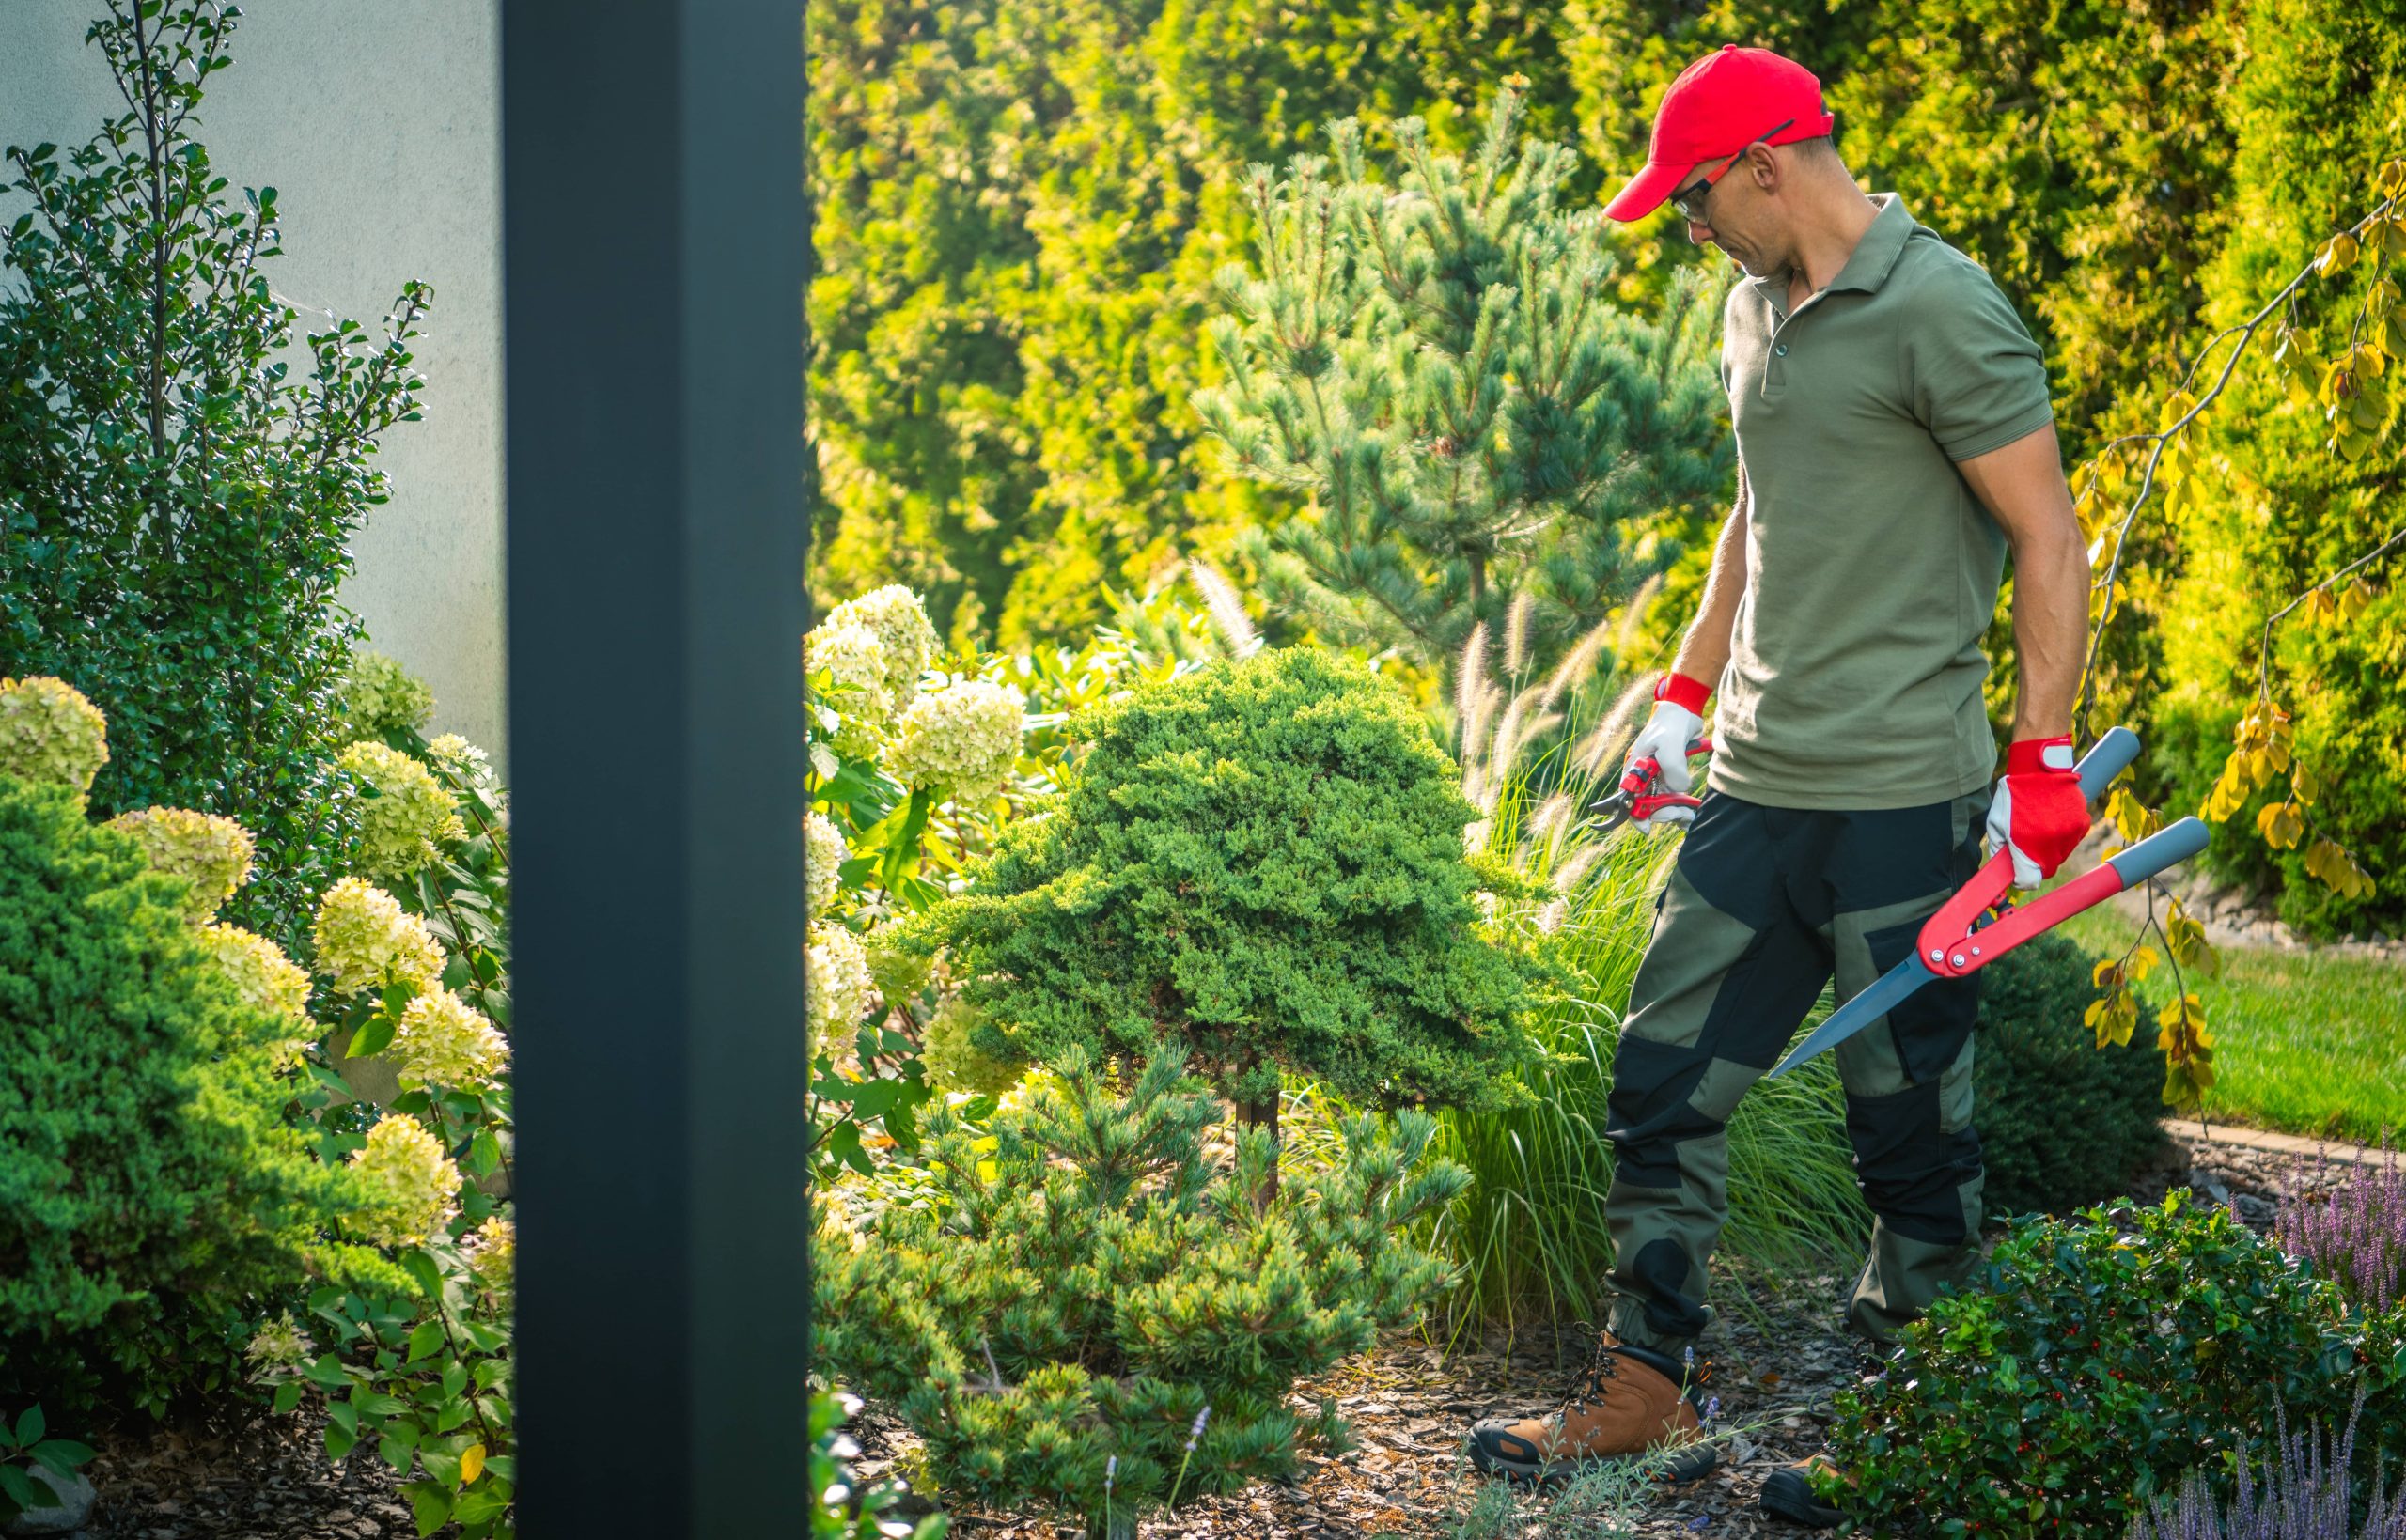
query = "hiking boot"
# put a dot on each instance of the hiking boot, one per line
(1628, 1401)
(1788, 1493)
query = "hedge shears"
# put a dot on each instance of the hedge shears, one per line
(1980, 923)
(1632, 801)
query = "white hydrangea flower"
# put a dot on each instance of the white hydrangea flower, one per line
(461, 758)
(839, 986)
(280, 1344)
(443, 1041)
(410, 815)
(415, 1183)
(366, 941)
(960, 739)
(901, 624)
(854, 659)
(825, 854)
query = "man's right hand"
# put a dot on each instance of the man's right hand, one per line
(1677, 721)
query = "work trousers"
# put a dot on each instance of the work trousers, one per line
(1763, 906)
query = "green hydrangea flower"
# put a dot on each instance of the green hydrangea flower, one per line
(492, 1248)
(211, 854)
(268, 981)
(953, 1062)
(958, 741)
(441, 1041)
(415, 1181)
(907, 638)
(823, 859)
(854, 659)
(366, 941)
(280, 1344)
(380, 696)
(50, 732)
(401, 827)
(840, 989)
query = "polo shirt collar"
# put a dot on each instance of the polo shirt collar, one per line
(1867, 267)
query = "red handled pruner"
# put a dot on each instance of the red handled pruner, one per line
(1980, 923)
(1634, 802)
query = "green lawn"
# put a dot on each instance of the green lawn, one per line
(2304, 1042)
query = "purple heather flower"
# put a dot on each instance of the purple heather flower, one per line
(1195, 1433)
(2352, 1227)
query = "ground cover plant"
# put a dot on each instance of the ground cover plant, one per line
(2097, 1360)
(1076, 1308)
(179, 483)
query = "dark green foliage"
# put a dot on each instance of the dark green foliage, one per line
(175, 508)
(1122, 1286)
(1262, 860)
(1434, 357)
(2103, 1357)
(145, 1177)
(2063, 1122)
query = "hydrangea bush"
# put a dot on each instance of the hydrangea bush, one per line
(405, 963)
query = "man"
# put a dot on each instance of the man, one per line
(1894, 440)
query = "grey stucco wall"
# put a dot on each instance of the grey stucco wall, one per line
(379, 125)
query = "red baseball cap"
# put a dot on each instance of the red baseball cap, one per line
(1718, 106)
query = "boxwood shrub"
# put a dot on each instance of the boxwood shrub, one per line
(2106, 1356)
(2062, 1122)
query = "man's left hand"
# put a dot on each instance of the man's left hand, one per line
(2038, 812)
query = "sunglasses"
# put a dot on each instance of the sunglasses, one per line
(1690, 199)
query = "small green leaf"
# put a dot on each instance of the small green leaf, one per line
(29, 1426)
(287, 1395)
(425, 1339)
(430, 1505)
(338, 1441)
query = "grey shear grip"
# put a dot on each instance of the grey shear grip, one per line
(2165, 847)
(2108, 757)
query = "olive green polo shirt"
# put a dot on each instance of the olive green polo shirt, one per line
(1871, 567)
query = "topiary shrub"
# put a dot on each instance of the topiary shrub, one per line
(2063, 1122)
(2106, 1356)
(1063, 1305)
(1262, 860)
(145, 1173)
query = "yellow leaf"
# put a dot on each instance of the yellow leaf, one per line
(2105, 975)
(2142, 961)
(471, 1463)
(2356, 599)
(2304, 786)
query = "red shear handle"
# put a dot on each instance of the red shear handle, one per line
(1950, 947)
(1643, 772)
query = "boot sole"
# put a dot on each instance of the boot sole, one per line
(1685, 1464)
(1787, 1495)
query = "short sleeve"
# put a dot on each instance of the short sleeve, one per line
(1972, 373)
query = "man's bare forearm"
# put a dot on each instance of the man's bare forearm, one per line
(2050, 626)
(1704, 651)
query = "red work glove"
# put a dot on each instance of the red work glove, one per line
(2037, 813)
(1678, 721)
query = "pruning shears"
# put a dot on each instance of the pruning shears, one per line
(1632, 801)
(1980, 923)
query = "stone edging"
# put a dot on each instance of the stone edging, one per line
(2273, 1143)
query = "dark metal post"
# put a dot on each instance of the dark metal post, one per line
(656, 238)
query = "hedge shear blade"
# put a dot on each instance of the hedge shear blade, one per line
(1632, 801)
(1980, 923)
